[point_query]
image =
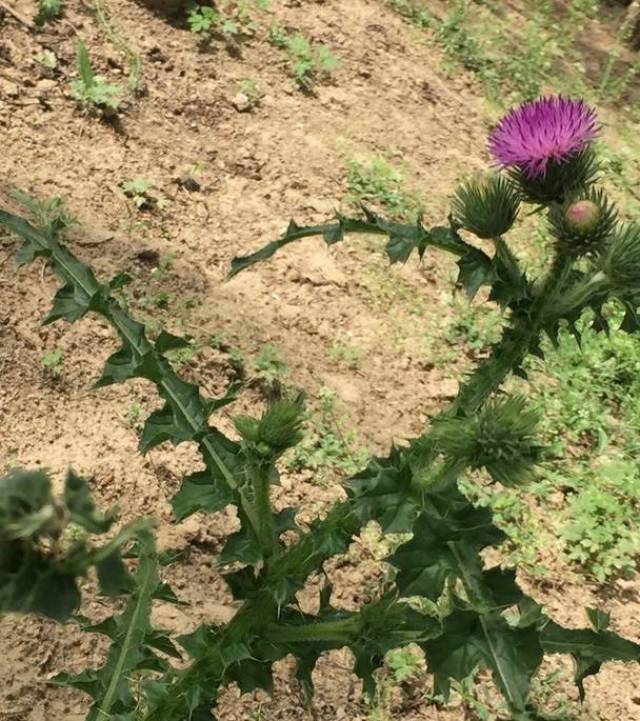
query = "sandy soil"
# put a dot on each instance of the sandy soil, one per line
(284, 158)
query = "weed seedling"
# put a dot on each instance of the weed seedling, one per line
(309, 62)
(92, 90)
(48, 10)
(249, 88)
(52, 362)
(269, 370)
(380, 184)
(140, 190)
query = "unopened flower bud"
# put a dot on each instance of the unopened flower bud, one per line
(621, 262)
(585, 224)
(487, 205)
(582, 216)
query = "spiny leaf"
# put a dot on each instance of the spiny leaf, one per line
(589, 648)
(476, 270)
(426, 561)
(470, 640)
(185, 414)
(32, 578)
(383, 492)
(132, 636)
(403, 238)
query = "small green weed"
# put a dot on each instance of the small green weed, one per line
(47, 61)
(346, 353)
(92, 90)
(51, 214)
(230, 18)
(309, 62)
(326, 448)
(404, 663)
(140, 190)
(476, 329)
(135, 416)
(250, 89)
(415, 11)
(48, 11)
(269, 369)
(604, 516)
(379, 183)
(52, 362)
(181, 357)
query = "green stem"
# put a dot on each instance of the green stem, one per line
(515, 345)
(340, 632)
(582, 293)
(262, 509)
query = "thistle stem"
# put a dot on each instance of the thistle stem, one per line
(511, 351)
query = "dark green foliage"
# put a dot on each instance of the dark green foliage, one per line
(412, 490)
(48, 10)
(621, 261)
(45, 546)
(134, 645)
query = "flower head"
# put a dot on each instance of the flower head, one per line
(548, 130)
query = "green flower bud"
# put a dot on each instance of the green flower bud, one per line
(500, 439)
(486, 205)
(621, 262)
(584, 224)
(277, 430)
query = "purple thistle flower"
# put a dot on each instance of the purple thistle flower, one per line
(549, 129)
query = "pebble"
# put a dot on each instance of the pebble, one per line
(241, 102)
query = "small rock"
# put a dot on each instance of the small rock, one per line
(241, 102)
(188, 182)
(45, 86)
(445, 388)
(9, 89)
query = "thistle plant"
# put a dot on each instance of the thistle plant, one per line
(442, 594)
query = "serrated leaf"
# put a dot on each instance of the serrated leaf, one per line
(470, 640)
(169, 425)
(383, 492)
(403, 238)
(426, 561)
(167, 341)
(68, 304)
(590, 649)
(476, 270)
(200, 492)
(242, 546)
(82, 509)
(110, 686)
